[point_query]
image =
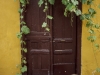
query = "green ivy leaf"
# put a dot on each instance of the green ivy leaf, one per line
(65, 2)
(91, 31)
(23, 42)
(24, 61)
(75, 2)
(84, 1)
(19, 35)
(25, 50)
(22, 23)
(22, 1)
(78, 12)
(89, 24)
(89, 2)
(47, 29)
(40, 2)
(24, 69)
(45, 9)
(49, 17)
(92, 38)
(87, 16)
(98, 69)
(92, 11)
(25, 30)
(97, 26)
(51, 1)
(21, 17)
(18, 74)
(82, 17)
(44, 24)
(20, 10)
(99, 6)
(65, 14)
(18, 66)
(70, 7)
(97, 46)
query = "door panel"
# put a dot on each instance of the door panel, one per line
(54, 52)
(62, 69)
(35, 16)
(64, 41)
(61, 24)
(38, 57)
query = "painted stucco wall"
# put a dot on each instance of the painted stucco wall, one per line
(10, 47)
(88, 59)
(9, 44)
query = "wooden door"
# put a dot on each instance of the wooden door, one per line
(54, 52)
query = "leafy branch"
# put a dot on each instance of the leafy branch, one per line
(71, 6)
(23, 31)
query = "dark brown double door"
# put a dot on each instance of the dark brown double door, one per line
(54, 52)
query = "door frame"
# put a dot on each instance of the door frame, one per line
(78, 41)
(78, 38)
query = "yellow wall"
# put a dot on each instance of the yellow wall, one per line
(9, 44)
(88, 59)
(10, 47)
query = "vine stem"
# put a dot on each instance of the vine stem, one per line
(72, 19)
(93, 46)
(46, 12)
(95, 56)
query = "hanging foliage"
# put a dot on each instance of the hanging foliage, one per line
(71, 6)
(23, 31)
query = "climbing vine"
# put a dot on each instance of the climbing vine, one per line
(23, 31)
(71, 6)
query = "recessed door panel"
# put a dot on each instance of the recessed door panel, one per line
(64, 41)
